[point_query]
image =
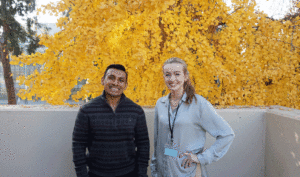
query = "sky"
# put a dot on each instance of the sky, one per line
(274, 8)
(47, 18)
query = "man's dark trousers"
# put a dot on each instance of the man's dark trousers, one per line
(131, 174)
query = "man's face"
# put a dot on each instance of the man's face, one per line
(114, 82)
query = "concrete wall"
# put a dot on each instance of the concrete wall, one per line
(282, 145)
(37, 142)
(246, 154)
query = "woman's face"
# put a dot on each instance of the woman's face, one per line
(174, 76)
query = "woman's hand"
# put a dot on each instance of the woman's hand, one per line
(191, 158)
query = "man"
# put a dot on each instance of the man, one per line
(114, 130)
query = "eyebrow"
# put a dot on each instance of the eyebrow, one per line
(110, 75)
(173, 71)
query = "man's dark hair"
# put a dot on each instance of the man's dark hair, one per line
(116, 66)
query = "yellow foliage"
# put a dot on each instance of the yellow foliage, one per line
(237, 58)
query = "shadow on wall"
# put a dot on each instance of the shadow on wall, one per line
(296, 157)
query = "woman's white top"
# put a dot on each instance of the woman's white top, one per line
(191, 124)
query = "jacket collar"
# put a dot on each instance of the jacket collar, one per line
(165, 99)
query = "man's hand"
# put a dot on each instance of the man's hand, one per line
(191, 158)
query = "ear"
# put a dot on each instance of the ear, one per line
(186, 77)
(126, 84)
(102, 81)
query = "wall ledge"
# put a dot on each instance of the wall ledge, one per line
(278, 110)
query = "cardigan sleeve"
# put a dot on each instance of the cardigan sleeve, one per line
(153, 164)
(216, 126)
(142, 144)
(80, 143)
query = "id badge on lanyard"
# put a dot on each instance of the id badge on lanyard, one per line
(171, 152)
(169, 148)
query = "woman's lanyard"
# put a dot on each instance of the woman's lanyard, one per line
(172, 127)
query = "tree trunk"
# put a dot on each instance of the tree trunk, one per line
(163, 34)
(9, 82)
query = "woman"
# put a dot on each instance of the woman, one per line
(182, 119)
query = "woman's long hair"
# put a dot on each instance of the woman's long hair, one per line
(187, 86)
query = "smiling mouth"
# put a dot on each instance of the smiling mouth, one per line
(114, 89)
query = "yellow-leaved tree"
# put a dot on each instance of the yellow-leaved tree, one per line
(234, 58)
